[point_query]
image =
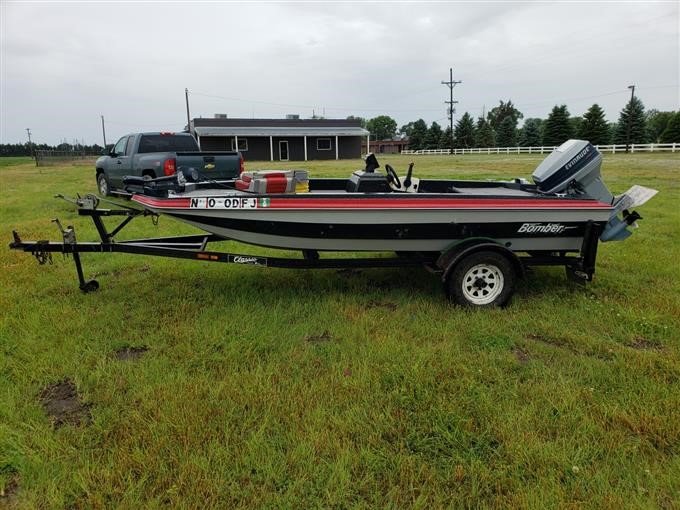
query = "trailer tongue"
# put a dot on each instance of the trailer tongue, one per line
(478, 235)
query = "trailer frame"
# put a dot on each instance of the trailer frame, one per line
(579, 268)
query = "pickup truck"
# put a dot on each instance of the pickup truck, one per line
(154, 155)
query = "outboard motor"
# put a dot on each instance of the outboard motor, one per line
(573, 169)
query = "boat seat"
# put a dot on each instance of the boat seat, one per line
(273, 181)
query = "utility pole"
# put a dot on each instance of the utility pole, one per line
(30, 144)
(630, 112)
(186, 98)
(103, 131)
(451, 102)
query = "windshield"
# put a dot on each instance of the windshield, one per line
(167, 143)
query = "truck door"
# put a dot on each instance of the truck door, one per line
(121, 164)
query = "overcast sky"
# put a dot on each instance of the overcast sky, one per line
(65, 64)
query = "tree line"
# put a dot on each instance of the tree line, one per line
(26, 149)
(498, 128)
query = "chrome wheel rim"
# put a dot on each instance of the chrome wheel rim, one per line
(482, 284)
(103, 188)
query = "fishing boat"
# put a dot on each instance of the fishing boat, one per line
(375, 211)
(479, 236)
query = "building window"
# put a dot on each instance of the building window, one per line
(323, 144)
(242, 144)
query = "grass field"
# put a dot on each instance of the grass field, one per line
(197, 385)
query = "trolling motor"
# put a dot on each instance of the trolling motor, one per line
(368, 180)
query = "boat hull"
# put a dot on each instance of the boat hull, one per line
(422, 224)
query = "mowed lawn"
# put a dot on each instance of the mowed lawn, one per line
(197, 385)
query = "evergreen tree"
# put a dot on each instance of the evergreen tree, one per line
(575, 123)
(506, 135)
(416, 135)
(531, 133)
(464, 134)
(484, 134)
(632, 118)
(434, 134)
(557, 129)
(594, 127)
(445, 140)
(672, 132)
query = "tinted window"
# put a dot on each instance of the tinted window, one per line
(167, 143)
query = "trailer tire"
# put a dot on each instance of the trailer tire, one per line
(103, 184)
(481, 279)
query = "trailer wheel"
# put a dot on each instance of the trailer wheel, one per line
(482, 279)
(103, 184)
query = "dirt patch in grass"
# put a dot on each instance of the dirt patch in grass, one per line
(556, 342)
(318, 339)
(645, 344)
(381, 304)
(130, 353)
(600, 353)
(8, 494)
(522, 355)
(63, 404)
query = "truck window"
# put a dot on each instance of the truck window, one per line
(167, 143)
(130, 145)
(119, 149)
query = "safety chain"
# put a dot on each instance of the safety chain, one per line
(42, 255)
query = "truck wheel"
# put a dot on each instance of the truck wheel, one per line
(103, 184)
(482, 279)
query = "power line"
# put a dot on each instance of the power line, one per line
(336, 108)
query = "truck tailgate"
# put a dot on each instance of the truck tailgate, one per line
(211, 165)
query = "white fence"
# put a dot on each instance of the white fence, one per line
(612, 149)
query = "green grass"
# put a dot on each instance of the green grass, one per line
(15, 161)
(568, 398)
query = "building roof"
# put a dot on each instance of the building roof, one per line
(278, 127)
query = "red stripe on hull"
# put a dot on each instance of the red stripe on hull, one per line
(394, 203)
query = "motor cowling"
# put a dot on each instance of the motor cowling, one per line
(573, 169)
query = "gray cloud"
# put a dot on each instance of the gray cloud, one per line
(64, 64)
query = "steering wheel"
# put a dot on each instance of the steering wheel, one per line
(392, 176)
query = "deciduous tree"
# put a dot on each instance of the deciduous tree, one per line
(672, 132)
(497, 114)
(382, 127)
(656, 123)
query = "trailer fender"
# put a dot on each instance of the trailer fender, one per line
(457, 252)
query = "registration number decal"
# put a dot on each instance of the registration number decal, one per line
(223, 203)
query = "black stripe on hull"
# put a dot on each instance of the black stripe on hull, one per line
(391, 231)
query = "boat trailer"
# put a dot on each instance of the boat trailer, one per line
(580, 268)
